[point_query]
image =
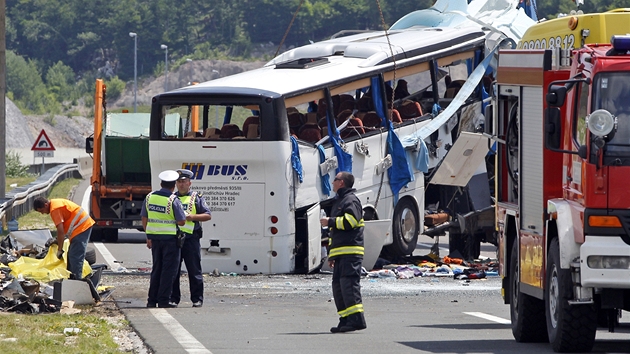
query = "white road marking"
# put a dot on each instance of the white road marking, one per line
(178, 332)
(489, 317)
(107, 255)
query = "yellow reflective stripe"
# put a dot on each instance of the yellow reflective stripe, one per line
(351, 220)
(351, 310)
(346, 250)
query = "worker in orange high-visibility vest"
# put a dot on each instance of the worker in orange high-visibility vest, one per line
(72, 222)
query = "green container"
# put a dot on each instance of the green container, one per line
(127, 160)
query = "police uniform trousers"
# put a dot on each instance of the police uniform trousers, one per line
(346, 289)
(191, 256)
(165, 265)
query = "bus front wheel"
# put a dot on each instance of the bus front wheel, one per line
(405, 227)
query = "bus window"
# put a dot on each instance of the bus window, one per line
(216, 122)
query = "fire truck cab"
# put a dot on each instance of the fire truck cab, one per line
(561, 121)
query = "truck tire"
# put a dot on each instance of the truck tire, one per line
(527, 313)
(96, 235)
(405, 227)
(90, 255)
(110, 235)
(571, 328)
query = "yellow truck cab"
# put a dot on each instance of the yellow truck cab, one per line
(575, 30)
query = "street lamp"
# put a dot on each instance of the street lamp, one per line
(135, 70)
(165, 47)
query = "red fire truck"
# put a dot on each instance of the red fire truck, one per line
(562, 126)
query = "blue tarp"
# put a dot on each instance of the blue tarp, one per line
(344, 159)
(326, 188)
(295, 159)
(399, 174)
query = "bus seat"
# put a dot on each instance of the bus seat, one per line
(310, 132)
(212, 133)
(248, 121)
(229, 131)
(311, 117)
(252, 131)
(190, 135)
(343, 116)
(348, 104)
(409, 110)
(395, 116)
(336, 101)
(354, 127)
(360, 115)
(372, 120)
(451, 92)
(292, 110)
(365, 104)
(296, 120)
(321, 108)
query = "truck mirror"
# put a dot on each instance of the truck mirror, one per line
(552, 128)
(556, 95)
(89, 144)
(489, 120)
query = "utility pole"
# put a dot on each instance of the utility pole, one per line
(3, 103)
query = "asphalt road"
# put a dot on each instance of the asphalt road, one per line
(293, 313)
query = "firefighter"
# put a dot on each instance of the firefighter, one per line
(196, 211)
(161, 214)
(71, 221)
(346, 253)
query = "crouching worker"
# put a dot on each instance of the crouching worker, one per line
(72, 222)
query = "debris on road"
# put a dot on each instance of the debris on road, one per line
(428, 266)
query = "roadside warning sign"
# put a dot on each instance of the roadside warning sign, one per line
(43, 143)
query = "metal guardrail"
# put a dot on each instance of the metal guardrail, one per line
(20, 200)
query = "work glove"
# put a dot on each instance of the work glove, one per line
(51, 241)
(60, 254)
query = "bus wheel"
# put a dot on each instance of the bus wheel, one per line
(110, 235)
(527, 313)
(571, 328)
(406, 226)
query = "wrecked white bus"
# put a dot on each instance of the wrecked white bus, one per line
(268, 142)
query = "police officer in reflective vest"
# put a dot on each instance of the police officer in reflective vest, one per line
(346, 253)
(196, 212)
(161, 215)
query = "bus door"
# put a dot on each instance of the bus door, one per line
(376, 234)
(314, 256)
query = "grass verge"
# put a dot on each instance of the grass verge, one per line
(41, 333)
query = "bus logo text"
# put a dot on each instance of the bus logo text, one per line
(237, 172)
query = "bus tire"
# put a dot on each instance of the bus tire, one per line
(527, 313)
(90, 255)
(110, 235)
(405, 227)
(571, 328)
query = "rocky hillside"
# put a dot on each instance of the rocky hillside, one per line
(71, 132)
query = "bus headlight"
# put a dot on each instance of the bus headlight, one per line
(601, 122)
(608, 262)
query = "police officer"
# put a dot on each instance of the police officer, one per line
(196, 211)
(346, 253)
(161, 215)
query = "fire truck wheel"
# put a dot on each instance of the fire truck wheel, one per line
(90, 255)
(406, 226)
(527, 313)
(571, 328)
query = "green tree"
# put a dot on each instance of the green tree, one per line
(60, 82)
(115, 87)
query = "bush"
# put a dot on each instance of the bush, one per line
(115, 87)
(14, 167)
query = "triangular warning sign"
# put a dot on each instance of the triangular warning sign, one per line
(43, 143)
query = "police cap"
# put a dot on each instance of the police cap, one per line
(168, 176)
(183, 174)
